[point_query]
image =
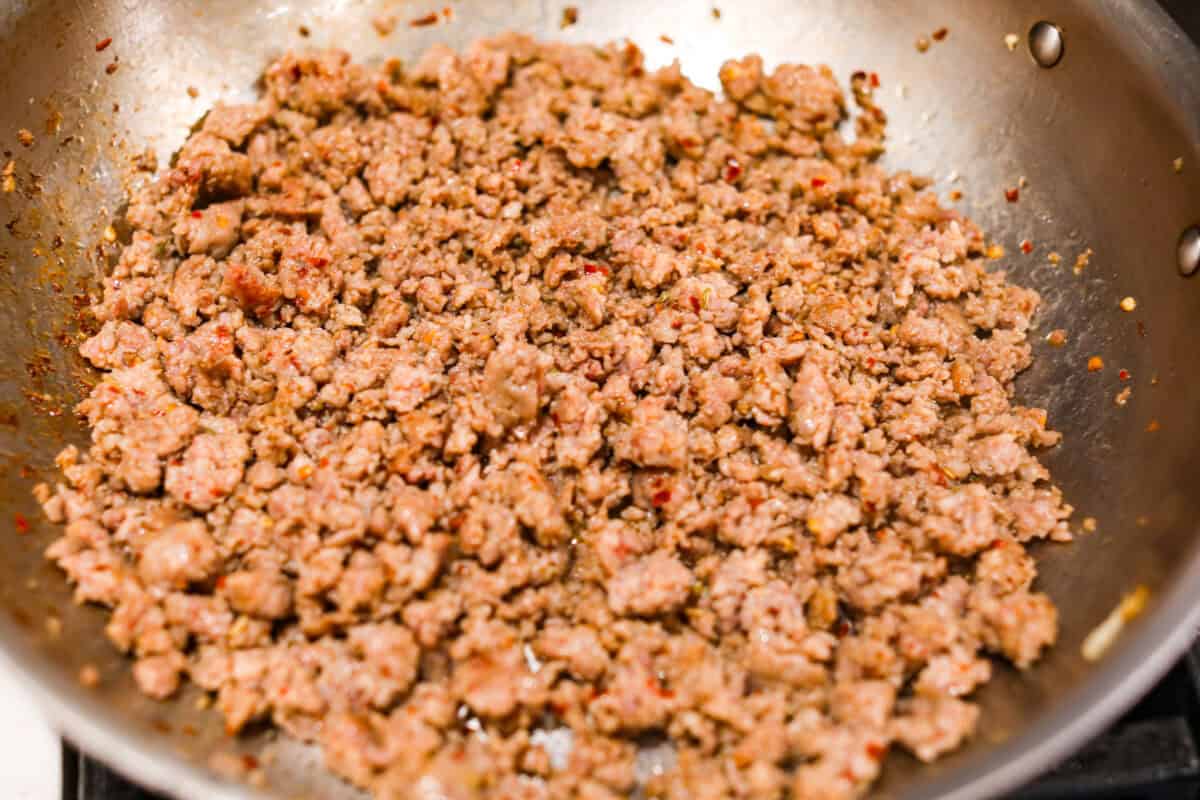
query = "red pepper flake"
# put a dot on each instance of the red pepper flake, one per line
(197, 215)
(249, 762)
(1152, 426)
(733, 170)
(447, 13)
(661, 498)
(997, 544)
(841, 629)
(103, 44)
(817, 183)
(694, 302)
(662, 37)
(874, 80)
(1012, 195)
(940, 34)
(1095, 364)
(593, 269)
(22, 523)
(1123, 375)
(1026, 246)
(317, 261)
(937, 473)
(876, 751)
(423, 22)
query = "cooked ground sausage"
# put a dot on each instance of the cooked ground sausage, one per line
(528, 389)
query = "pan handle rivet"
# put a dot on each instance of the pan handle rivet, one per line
(1189, 251)
(1046, 43)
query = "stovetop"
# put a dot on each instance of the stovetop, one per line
(1152, 753)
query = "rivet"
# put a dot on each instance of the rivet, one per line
(1046, 43)
(1189, 251)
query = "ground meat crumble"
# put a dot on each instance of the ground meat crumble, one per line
(449, 407)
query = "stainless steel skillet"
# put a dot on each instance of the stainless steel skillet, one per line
(1097, 138)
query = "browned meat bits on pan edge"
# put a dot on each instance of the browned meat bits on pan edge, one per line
(531, 389)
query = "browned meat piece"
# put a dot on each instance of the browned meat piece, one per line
(965, 521)
(1018, 625)
(158, 676)
(180, 554)
(208, 471)
(579, 647)
(209, 162)
(235, 123)
(652, 585)
(258, 593)
(656, 437)
(251, 288)
(829, 516)
(409, 385)
(996, 455)
(512, 383)
(929, 726)
(214, 230)
(811, 414)
(119, 344)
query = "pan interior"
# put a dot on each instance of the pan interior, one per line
(1095, 139)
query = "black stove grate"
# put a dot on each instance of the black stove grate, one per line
(1152, 753)
(86, 779)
